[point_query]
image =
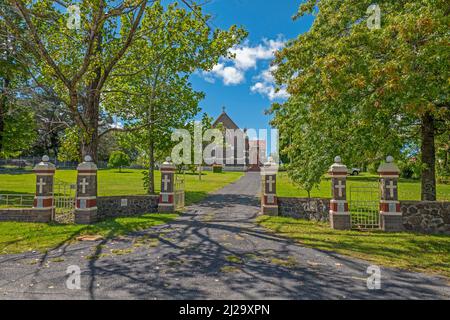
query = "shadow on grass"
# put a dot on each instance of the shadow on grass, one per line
(15, 192)
(411, 251)
(193, 197)
(54, 236)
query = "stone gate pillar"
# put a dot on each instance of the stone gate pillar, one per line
(43, 199)
(167, 196)
(340, 218)
(269, 201)
(390, 211)
(86, 199)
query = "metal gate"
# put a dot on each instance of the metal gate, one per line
(180, 185)
(64, 195)
(364, 203)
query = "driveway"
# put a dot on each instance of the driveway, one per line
(214, 251)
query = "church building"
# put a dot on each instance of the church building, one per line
(254, 151)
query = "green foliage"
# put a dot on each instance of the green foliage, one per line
(70, 146)
(409, 169)
(356, 92)
(217, 169)
(118, 159)
(19, 132)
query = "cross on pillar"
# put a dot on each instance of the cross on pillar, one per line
(166, 182)
(271, 182)
(83, 185)
(340, 187)
(391, 187)
(41, 184)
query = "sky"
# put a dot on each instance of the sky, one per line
(244, 85)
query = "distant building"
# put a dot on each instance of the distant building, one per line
(242, 154)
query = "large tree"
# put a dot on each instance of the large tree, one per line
(365, 92)
(79, 63)
(158, 94)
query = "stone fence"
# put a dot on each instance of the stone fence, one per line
(88, 207)
(25, 215)
(126, 206)
(417, 216)
(390, 214)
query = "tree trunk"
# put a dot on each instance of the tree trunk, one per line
(3, 109)
(89, 142)
(428, 150)
(151, 167)
(151, 151)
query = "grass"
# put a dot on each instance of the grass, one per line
(408, 251)
(17, 237)
(408, 189)
(20, 237)
(129, 182)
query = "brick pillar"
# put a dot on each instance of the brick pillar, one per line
(43, 200)
(269, 201)
(340, 218)
(86, 200)
(167, 196)
(390, 211)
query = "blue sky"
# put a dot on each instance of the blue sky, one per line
(244, 86)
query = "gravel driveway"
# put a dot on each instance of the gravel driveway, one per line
(214, 251)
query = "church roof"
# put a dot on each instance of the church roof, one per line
(228, 123)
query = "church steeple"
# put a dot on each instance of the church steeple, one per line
(225, 119)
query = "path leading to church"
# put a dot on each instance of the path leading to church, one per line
(215, 251)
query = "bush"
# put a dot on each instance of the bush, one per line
(409, 169)
(217, 169)
(118, 159)
(373, 167)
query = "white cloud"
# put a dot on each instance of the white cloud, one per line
(232, 71)
(230, 75)
(266, 85)
(247, 57)
(267, 89)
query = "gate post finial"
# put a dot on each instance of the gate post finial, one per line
(86, 199)
(43, 199)
(167, 196)
(340, 218)
(390, 210)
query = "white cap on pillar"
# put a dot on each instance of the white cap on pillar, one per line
(269, 167)
(168, 164)
(88, 164)
(389, 166)
(338, 166)
(45, 164)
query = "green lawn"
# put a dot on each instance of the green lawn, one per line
(408, 189)
(129, 182)
(20, 237)
(409, 251)
(17, 237)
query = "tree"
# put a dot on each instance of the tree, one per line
(159, 96)
(118, 159)
(361, 92)
(17, 129)
(77, 63)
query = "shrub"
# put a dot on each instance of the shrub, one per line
(118, 159)
(217, 169)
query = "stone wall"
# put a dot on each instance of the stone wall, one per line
(303, 208)
(418, 216)
(126, 206)
(427, 217)
(25, 215)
